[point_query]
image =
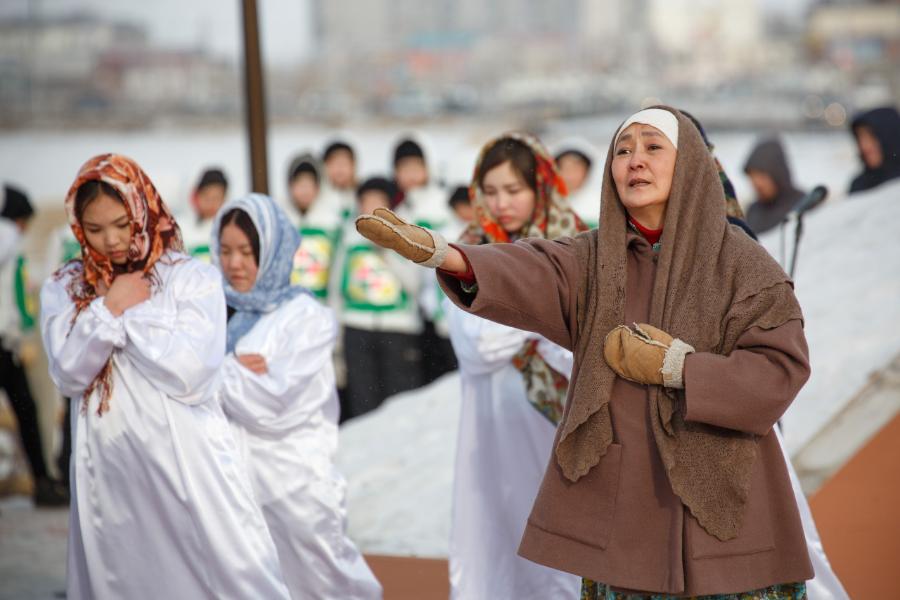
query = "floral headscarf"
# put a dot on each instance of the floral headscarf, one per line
(553, 217)
(153, 233)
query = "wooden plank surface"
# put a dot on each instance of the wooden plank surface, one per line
(857, 512)
(407, 578)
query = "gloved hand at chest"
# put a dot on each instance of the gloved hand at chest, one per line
(647, 355)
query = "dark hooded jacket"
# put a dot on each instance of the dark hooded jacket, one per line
(769, 157)
(15, 204)
(885, 124)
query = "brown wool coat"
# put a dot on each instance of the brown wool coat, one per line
(621, 523)
(712, 283)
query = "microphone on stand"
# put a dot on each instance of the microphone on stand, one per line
(805, 204)
(815, 197)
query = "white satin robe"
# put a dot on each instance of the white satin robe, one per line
(286, 424)
(161, 505)
(825, 585)
(503, 447)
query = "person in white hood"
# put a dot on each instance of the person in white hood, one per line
(574, 161)
(208, 196)
(339, 160)
(315, 211)
(424, 203)
(277, 387)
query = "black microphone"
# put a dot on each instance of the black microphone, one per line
(811, 200)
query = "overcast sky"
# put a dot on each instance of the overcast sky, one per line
(213, 24)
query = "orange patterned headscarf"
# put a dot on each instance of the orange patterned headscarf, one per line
(153, 233)
(553, 216)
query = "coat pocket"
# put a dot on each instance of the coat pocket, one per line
(582, 511)
(756, 533)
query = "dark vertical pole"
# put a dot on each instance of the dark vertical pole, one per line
(255, 99)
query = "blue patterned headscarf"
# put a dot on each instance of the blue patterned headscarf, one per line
(278, 242)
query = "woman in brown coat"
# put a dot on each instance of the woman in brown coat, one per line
(666, 479)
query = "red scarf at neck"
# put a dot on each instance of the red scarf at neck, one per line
(652, 235)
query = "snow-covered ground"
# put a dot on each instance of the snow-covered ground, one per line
(848, 283)
(399, 460)
(32, 550)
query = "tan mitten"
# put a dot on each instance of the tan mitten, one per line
(647, 355)
(422, 246)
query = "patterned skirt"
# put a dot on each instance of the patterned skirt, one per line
(592, 590)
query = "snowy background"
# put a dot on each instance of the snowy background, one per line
(46, 162)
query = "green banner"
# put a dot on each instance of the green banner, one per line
(24, 302)
(369, 284)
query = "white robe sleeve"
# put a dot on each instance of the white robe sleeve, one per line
(825, 585)
(9, 240)
(180, 349)
(76, 353)
(556, 356)
(407, 272)
(297, 348)
(482, 347)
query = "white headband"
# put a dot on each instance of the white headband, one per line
(655, 117)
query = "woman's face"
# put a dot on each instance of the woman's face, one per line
(573, 170)
(869, 147)
(304, 191)
(236, 257)
(341, 169)
(765, 187)
(509, 199)
(642, 169)
(107, 228)
(210, 199)
(371, 200)
(411, 173)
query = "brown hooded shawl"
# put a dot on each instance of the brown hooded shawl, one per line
(713, 282)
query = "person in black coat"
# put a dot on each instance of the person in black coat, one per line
(16, 208)
(877, 135)
(776, 195)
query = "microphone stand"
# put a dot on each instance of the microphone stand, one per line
(781, 230)
(798, 233)
(810, 201)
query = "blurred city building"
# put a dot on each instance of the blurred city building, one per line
(739, 62)
(76, 67)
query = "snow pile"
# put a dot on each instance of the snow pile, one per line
(848, 283)
(398, 462)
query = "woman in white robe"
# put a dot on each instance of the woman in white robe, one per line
(277, 388)
(513, 389)
(502, 450)
(134, 333)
